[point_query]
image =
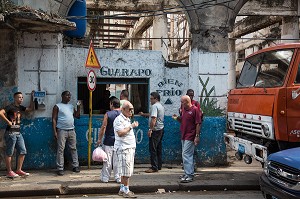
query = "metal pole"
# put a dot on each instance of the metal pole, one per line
(90, 129)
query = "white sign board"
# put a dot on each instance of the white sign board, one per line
(91, 80)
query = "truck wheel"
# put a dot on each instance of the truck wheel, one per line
(247, 159)
(238, 156)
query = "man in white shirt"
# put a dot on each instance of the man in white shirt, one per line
(125, 145)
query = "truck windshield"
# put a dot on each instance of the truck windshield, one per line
(266, 69)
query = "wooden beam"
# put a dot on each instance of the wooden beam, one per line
(252, 24)
(118, 17)
(106, 44)
(121, 5)
(107, 39)
(112, 25)
(111, 35)
(108, 30)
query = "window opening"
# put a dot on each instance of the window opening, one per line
(138, 89)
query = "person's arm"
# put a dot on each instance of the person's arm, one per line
(3, 116)
(198, 125)
(144, 114)
(176, 117)
(76, 113)
(197, 137)
(102, 129)
(151, 126)
(126, 130)
(54, 120)
(31, 105)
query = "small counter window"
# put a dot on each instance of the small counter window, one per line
(138, 89)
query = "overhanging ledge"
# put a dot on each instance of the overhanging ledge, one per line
(24, 19)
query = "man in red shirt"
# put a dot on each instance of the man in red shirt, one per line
(190, 93)
(190, 120)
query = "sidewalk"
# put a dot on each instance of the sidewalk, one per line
(237, 176)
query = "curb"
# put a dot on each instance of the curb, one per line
(88, 189)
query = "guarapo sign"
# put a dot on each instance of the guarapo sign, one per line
(91, 80)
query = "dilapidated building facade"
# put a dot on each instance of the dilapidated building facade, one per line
(37, 54)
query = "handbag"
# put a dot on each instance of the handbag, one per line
(99, 155)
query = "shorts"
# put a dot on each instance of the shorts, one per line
(12, 141)
(125, 161)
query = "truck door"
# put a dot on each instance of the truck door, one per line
(293, 102)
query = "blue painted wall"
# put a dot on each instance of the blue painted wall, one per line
(41, 145)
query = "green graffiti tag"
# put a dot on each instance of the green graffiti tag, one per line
(208, 103)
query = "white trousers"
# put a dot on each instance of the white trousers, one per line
(110, 165)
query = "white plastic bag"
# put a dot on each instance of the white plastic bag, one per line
(99, 155)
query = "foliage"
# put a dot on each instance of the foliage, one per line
(208, 103)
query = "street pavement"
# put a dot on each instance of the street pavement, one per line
(236, 176)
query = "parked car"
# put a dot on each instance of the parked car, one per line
(281, 176)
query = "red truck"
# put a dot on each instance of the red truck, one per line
(263, 110)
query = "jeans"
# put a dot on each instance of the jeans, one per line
(155, 149)
(68, 136)
(12, 140)
(110, 164)
(188, 148)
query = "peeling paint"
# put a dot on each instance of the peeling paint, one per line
(41, 145)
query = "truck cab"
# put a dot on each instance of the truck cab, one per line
(263, 111)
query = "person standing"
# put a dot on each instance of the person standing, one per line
(124, 95)
(64, 131)
(190, 124)
(125, 145)
(155, 132)
(11, 114)
(108, 142)
(190, 93)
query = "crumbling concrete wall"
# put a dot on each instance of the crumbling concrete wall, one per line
(8, 77)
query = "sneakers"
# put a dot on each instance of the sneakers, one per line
(120, 193)
(130, 194)
(12, 174)
(186, 179)
(104, 181)
(22, 173)
(182, 177)
(76, 169)
(60, 172)
(151, 170)
(118, 180)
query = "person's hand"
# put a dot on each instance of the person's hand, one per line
(149, 133)
(174, 116)
(196, 140)
(135, 124)
(55, 135)
(141, 113)
(99, 142)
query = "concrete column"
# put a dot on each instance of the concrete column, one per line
(135, 43)
(231, 68)
(208, 70)
(160, 30)
(290, 29)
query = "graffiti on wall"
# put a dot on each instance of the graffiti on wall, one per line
(207, 101)
(169, 92)
(139, 135)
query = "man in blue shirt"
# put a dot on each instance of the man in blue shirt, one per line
(64, 131)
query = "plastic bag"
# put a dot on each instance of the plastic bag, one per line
(99, 155)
